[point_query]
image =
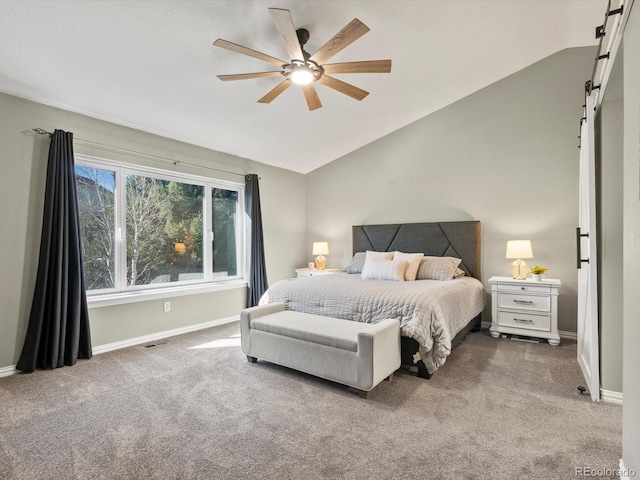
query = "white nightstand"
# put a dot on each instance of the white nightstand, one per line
(312, 272)
(525, 307)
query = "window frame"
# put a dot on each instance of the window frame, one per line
(122, 292)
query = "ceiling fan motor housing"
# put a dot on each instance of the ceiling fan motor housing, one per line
(303, 36)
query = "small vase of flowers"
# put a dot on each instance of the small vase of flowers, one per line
(537, 271)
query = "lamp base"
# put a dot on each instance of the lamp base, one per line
(321, 262)
(519, 269)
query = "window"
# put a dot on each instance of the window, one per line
(224, 231)
(148, 229)
(96, 205)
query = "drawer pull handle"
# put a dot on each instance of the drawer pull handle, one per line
(524, 302)
(523, 320)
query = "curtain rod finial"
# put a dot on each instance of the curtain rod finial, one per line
(42, 131)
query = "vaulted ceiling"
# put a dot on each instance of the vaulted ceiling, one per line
(151, 65)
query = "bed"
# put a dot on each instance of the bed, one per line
(434, 315)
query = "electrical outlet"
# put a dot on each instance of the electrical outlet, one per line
(167, 307)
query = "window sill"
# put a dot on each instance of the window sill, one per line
(159, 293)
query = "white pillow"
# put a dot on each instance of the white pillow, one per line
(414, 262)
(371, 256)
(437, 268)
(385, 270)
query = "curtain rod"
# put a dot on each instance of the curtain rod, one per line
(42, 131)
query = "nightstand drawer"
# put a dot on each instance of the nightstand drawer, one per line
(524, 302)
(525, 287)
(525, 321)
(312, 272)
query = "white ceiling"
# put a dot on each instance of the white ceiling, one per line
(151, 65)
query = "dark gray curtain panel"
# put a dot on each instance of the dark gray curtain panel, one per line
(58, 332)
(258, 272)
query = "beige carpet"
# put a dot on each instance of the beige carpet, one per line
(498, 409)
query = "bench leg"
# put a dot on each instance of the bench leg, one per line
(389, 378)
(251, 359)
(364, 394)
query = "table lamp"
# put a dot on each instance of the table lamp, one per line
(519, 249)
(320, 249)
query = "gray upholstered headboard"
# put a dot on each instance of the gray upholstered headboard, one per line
(440, 239)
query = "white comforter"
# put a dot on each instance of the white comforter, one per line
(430, 311)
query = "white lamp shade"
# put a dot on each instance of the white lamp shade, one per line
(519, 249)
(320, 248)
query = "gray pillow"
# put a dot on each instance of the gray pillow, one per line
(437, 268)
(357, 263)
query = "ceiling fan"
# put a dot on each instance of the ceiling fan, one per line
(304, 69)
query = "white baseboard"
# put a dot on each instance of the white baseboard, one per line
(611, 397)
(569, 335)
(109, 347)
(7, 371)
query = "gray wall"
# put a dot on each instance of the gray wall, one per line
(23, 166)
(631, 244)
(506, 155)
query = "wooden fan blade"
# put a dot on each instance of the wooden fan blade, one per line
(281, 87)
(369, 66)
(311, 95)
(343, 87)
(284, 24)
(247, 51)
(248, 76)
(345, 37)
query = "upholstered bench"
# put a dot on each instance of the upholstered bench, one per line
(356, 354)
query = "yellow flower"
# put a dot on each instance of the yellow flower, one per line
(538, 269)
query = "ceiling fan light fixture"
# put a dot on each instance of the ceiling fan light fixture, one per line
(303, 73)
(302, 76)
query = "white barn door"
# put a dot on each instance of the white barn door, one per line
(588, 339)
